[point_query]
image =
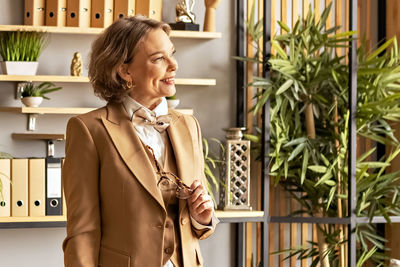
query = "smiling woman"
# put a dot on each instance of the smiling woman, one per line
(127, 164)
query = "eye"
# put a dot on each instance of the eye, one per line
(173, 53)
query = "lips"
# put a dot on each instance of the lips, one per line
(169, 80)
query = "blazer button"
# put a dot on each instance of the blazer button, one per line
(184, 221)
(168, 250)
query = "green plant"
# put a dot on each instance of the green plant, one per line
(21, 46)
(172, 97)
(30, 89)
(212, 162)
(308, 93)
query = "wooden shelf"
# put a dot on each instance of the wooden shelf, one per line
(43, 78)
(52, 110)
(82, 79)
(38, 136)
(78, 30)
(239, 216)
(46, 110)
(33, 219)
(60, 221)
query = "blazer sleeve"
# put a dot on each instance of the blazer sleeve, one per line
(81, 188)
(203, 233)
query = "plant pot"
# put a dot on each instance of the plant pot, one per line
(32, 101)
(19, 67)
(173, 103)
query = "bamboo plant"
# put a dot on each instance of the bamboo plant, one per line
(308, 94)
(21, 46)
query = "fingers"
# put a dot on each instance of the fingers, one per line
(198, 191)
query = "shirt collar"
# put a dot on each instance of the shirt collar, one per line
(131, 106)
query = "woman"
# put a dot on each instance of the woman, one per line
(133, 173)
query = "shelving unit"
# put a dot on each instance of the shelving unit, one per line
(82, 79)
(38, 136)
(62, 110)
(78, 30)
(60, 221)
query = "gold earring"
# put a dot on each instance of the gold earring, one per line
(129, 84)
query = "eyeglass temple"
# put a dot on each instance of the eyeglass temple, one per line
(177, 179)
(154, 159)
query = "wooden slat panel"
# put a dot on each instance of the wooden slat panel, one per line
(368, 28)
(393, 29)
(284, 13)
(329, 20)
(273, 16)
(317, 4)
(282, 212)
(306, 5)
(295, 11)
(338, 21)
(293, 231)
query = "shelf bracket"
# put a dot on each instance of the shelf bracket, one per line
(32, 121)
(50, 148)
(19, 90)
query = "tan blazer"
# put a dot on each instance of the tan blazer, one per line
(116, 213)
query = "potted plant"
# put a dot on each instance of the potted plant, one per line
(20, 51)
(172, 101)
(308, 94)
(32, 95)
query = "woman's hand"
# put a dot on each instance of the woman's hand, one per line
(200, 204)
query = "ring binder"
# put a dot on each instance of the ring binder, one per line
(53, 186)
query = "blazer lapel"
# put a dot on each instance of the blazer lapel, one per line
(182, 145)
(129, 146)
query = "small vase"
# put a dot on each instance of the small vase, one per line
(19, 67)
(32, 101)
(173, 103)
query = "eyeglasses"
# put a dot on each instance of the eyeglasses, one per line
(165, 183)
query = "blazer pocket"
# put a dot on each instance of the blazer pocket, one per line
(112, 258)
(199, 258)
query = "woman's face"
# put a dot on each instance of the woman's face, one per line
(153, 69)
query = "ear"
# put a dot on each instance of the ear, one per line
(123, 72)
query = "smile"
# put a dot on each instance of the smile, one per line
(169, 80)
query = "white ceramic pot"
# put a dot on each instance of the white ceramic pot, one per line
(19, 67)
(32, 101)
(173, 103)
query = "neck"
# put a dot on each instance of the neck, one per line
(147, 102)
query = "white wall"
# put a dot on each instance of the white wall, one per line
(213, 106)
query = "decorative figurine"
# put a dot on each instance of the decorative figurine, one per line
(209, 18)
(185, 18)
(76, 65)
(184, 12)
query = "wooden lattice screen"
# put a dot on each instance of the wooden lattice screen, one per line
(284, 236)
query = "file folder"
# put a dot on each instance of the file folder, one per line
(5, 198)
(19, 187)
(53, 186)
(37, 186)
(56, 13)
(149, 8)
(102, 13)
(34, 12)
(124, 8)
(78, 13)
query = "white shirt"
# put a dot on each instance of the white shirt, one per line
(157, 142)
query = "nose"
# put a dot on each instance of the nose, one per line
(173, 64)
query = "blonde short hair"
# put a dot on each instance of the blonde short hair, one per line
(116, 46)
